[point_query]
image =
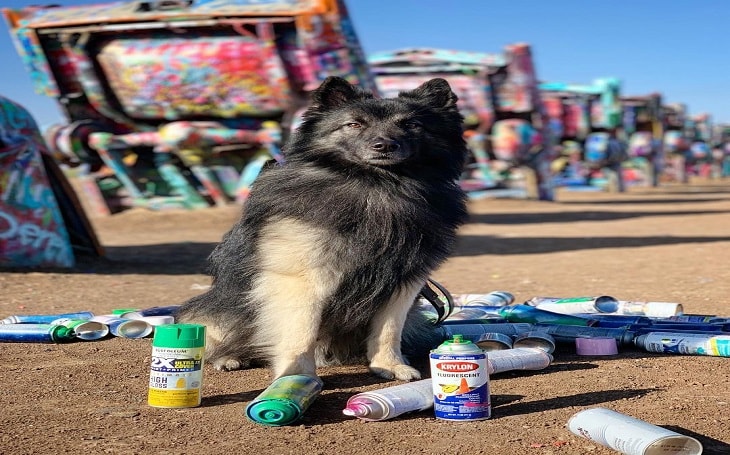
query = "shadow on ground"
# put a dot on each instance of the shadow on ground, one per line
(475, 245)
(575, 216)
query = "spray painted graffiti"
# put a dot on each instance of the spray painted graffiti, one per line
(32, 231)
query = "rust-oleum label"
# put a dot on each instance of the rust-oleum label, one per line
(176, 377)
(460, 385)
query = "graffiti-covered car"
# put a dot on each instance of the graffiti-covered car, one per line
(41, 221)
(179, 103)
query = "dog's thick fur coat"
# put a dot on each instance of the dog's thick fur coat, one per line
(334, 245)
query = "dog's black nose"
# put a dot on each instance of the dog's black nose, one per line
(385, 146)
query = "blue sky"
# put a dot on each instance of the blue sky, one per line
(677, 47)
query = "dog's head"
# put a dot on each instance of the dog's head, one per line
(418, 132)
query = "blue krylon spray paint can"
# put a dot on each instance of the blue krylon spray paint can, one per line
(460, 381)
(44, 318)
(35, 333)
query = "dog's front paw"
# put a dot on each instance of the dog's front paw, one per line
(399, 371)
(229, 364)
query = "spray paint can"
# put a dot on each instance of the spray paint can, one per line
(695, 318)
(629, 435)
(685, 343)
(494, 298)
(474, 313)
(176, 370)
(600, 304)
(35, 333)
(494, 342)
(285, 400)
(125, 328)
(45, 318)
(153, 311)
(84, 329)
(473, 332)
(568, 333)
(518, 359)
(535, 339)
(390, 402)
(529, 314)
(460, 381)
(651, 309)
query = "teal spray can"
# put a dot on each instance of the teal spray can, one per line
(285, 400)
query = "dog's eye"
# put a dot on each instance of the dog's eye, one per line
(413, 124)
(353, 125)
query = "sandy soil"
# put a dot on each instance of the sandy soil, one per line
(666, 244)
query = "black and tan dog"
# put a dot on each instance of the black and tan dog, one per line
(335, 244)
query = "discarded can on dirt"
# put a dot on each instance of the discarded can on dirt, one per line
(535, 339)
(494, 298)
(518, 359)
(285, 400)
(176, 369)
(484, 320)
(616, 318)
(701, 318)
(629, 435)
(153, 311)
(473, 332)
(494, 342)
(120, 311)
(651, 309)
(124, 328)
(390, 402)
(45, 318)
(84, 329)
(460, 381)
(568, 333)
(600, 304)
(533, 315)
(685, 343)
(157, 320)
(35, 333)
(474, 313)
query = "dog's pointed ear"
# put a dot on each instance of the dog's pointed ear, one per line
(335, 92)
(436, 93)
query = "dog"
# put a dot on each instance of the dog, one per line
(335, 243)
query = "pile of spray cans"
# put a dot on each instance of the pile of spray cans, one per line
(486, 334)
(84, 325)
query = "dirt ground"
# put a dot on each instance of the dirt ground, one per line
(664, 244)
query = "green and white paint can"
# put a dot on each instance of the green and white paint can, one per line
(176, 370)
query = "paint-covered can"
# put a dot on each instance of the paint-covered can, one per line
(629, 435)
(573, 305)
(494, 342)
(460, 381)
(44, 318)
(125, 328)
(518, 359)
(476, 313)
(494, 298)
(535, 339)
(651, 309)
(169, 310)
(685, 343)
(176, 369)
(35, 333)
(473, 332)
(285, 400)
(84, 329)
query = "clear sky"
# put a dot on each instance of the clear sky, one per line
(680, 48)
